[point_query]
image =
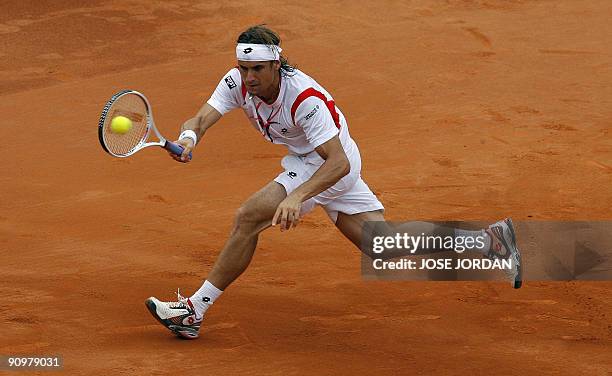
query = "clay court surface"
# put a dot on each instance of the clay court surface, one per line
(462, 109)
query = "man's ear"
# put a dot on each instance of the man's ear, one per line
(276, 65)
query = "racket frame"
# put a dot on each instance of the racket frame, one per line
(149, 126)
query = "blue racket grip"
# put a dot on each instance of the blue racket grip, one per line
(175, 149)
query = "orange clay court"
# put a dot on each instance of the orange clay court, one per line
(462, 110)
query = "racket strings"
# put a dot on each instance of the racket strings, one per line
(134, 108)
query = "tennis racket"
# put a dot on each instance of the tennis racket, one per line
(136, 107)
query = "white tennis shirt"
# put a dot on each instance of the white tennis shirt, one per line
(303, 116)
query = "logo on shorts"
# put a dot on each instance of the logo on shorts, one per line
(230, 82)
(247, 50)
(284, 130)
(311, 113)
(292, 174)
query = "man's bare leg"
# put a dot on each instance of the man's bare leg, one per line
(351, 226)
(184, 317)
(254, 216)
(501, 242)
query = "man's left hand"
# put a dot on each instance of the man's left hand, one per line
(288, 213)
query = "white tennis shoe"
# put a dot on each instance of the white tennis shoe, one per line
(179, 317)
(503, 246)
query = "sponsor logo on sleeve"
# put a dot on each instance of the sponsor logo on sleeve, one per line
(230, 82)
(311, 113)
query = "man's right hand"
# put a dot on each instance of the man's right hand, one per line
(187, 145)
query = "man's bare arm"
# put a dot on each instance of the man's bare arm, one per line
(206, 117)
(335, 167)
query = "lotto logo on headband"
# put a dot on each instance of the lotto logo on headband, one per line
(257, 52)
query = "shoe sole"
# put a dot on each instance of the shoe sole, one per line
(173, 328)
(518, 281)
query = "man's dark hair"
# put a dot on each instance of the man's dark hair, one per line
(260, 34)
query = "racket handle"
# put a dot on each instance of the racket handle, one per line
(175, 149)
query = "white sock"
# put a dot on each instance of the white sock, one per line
(204, 298)
(473, 234)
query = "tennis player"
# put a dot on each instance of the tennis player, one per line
(322, 167)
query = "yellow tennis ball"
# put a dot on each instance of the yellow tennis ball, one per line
(121, 125)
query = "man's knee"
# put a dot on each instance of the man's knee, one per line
(249, 219)
(256, 213)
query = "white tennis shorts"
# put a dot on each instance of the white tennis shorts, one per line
(350, 195)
